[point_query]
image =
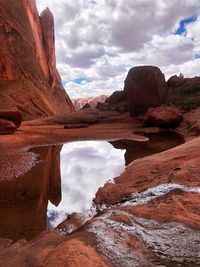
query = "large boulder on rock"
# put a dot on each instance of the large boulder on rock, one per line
(164, 117)
(29, 80)
(144, 87)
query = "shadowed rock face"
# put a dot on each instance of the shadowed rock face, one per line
(144, 87)
(29, 80)
(10, 120)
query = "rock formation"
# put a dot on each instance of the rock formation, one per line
(79, 103)
(144, 87)
(29, 80)
(184, 92)
(118, 101)
(163, 116)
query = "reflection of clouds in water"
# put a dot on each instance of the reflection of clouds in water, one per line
(85, 166)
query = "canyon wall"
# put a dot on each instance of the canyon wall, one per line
(29, 80)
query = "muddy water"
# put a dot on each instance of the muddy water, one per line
(40, 187)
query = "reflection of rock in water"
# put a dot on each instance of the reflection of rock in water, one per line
(157, 143)
(23, 200)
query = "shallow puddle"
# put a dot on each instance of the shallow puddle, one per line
(62, 179)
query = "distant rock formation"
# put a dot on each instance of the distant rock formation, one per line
(118, 101)
(79, 103)
(29, 80)
(144, 87)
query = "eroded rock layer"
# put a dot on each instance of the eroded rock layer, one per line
(29, 80)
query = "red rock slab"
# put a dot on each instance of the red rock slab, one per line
(163, 116)
(50, 249)
(176, 206)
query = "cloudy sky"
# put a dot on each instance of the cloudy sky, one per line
(97, 41)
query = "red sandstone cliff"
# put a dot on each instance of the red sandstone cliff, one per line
(29, 80)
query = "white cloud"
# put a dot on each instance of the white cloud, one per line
(96, 87)
(101, 39)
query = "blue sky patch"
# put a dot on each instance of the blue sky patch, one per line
(81, 80)
(64, 82)
(183, 23)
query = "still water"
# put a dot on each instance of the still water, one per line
(41, 186)
(88, 165)
(85, 166)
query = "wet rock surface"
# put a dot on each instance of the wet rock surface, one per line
(150, 216)
(154, 244)
(141, 220)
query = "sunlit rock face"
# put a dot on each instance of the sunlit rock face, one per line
(29, 80)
